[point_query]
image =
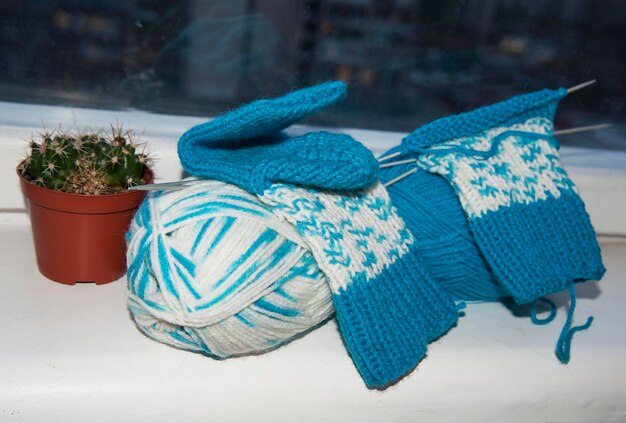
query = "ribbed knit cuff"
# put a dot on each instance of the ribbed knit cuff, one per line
(539, 248)
(387, 322)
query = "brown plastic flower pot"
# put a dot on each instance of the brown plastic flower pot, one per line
(80, 238)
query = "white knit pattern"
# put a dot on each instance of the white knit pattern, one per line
(522, 171)
(353, 235)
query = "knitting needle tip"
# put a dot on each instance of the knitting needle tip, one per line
(580, 86)
(164, 186)
(389, 156)
(400, 177)
(581, 129)
(401, 162)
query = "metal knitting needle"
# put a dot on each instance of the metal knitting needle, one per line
(178, 185)
(392, 155)
(400, 177)
(569, 91)
(561, 132)
(164, 186)
(401, 162)
(580, 86)
(581, 129)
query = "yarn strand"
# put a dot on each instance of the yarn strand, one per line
(495, 144)
(533, 312)
(563, 345)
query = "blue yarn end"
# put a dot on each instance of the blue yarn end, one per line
(387, 322)
(539, 248)
(509, 112)
(564, 343)
(533, 311)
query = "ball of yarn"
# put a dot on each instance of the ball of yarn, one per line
(212, 270)
(433, 213)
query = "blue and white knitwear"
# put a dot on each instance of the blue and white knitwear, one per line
(523, 209)
(292, 229)
(387, 306)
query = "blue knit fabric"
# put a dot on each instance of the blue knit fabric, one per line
(326, 185)
(514, 110)
(523, 210)
(433, 213)
(530, 232)
(247, 148)
(386, 323)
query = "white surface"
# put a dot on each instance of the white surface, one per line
(73, 354)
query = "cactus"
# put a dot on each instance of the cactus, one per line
(85, 163)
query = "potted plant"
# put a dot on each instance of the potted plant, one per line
(76, 192)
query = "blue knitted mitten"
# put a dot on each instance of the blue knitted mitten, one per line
(247, 148)
(523, 209)
(326, 185)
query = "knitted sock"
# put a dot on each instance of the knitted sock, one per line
(523, 210)
(325, 184)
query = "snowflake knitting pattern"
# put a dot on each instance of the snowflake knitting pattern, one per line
(524, 168)
(356, 234)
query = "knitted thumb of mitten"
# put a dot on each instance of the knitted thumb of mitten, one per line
(326, 185)
(523, 210)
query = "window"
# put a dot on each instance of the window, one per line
(408, 61)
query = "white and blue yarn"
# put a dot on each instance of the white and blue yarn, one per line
(212, 270)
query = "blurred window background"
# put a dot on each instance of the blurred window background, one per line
(407, 61)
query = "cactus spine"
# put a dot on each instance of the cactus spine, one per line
(91, 163)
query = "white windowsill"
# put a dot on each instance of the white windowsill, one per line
(72, 353)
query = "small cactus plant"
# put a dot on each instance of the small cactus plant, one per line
(92, 163)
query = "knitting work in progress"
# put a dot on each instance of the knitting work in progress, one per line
(275, 233)
(523, 211)
(325, 187)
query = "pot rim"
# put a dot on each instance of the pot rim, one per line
(82, 203)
